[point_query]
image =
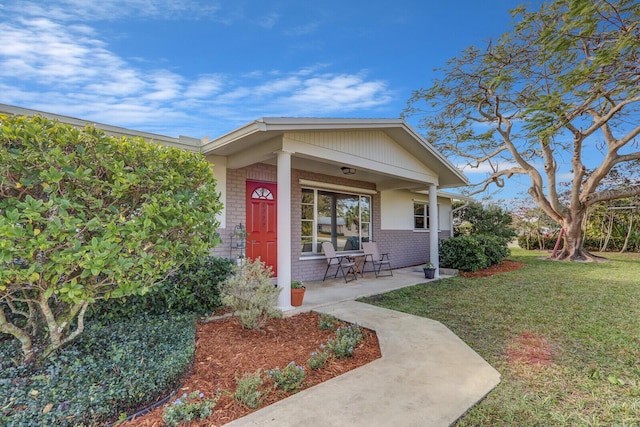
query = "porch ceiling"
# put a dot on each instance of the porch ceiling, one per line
(382, 181)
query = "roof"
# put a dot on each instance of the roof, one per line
(184, 142)
(258, 141)
(266, 129)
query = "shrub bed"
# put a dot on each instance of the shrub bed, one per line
(191, 289)
(108, 371)
(591, 244)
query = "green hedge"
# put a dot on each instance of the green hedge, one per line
(533, 242)
(591, 244)
(192, 289)
(109, 370)
(473, 252)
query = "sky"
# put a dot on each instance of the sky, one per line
(205, 67)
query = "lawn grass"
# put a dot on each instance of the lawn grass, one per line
(581, 321)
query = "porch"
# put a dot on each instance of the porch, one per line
(333, 291)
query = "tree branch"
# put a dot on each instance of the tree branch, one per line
(606, 195)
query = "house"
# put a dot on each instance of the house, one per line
(288, 184)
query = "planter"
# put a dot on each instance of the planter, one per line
(429, 273)
(297, 295)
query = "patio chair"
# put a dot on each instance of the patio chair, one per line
(342, 263)
(371, 255)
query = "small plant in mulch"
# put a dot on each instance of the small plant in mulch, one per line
(248, 389)
(345, 341)
(318, 358)
(288, 379)
(188, 407)
(327, 322)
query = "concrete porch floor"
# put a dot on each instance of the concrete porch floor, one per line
(426, 377)
(320, 293)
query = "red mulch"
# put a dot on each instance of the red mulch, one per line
(225, 351)
(503, 267)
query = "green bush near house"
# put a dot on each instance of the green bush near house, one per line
(472, 253)
(495, 248)
(192, 289)
(85, 216)
(463, 253)
(111, 369)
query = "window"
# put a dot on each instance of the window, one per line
(420, 216)
(343, 219)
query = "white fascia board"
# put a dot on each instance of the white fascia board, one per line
(436, 153)
(448, 195)
(257, 154)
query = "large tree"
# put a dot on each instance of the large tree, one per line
(85, 216)
(562, 87)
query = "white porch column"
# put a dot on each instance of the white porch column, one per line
(284, 230)
(433, 228)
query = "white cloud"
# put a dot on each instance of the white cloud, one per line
(268, 21)
(91, 10)
(204, 86)
(53, 60)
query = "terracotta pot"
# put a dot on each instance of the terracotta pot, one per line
(297, 296)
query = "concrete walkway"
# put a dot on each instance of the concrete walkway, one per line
(426, 377)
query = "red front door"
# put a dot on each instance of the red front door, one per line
(262, 241)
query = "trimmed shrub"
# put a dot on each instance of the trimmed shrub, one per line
(109, 370)
(592, 244)
(464, 253)
(192, 289)
(495, 248)
(472, 253)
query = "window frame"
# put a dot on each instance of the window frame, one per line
(316, 192)
(426, 215)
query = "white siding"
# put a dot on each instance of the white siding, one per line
(396, 208)
(219, 166)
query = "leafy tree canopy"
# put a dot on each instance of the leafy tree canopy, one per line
(488, 220)
(564, 81)
(85, 216)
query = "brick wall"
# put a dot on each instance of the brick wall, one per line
(405, 248)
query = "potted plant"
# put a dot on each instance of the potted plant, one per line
(429, 271)
(297, 293)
